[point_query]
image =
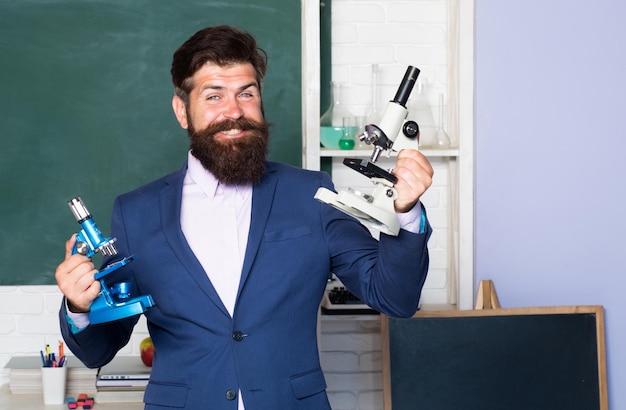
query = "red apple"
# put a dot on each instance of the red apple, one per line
(146, 349)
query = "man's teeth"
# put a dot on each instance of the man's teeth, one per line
(232, 132)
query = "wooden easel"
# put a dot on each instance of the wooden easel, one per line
(486, 297)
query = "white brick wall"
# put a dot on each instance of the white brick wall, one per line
(351, 359)
(394, 34)
(29, 321)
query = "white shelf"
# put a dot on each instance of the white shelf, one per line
(366, 153)
(427, 307)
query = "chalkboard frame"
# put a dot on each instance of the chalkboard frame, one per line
(387, 324)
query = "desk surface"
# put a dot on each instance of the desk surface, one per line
(35, 402)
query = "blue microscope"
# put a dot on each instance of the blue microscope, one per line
(115, 302)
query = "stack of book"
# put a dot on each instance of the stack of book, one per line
(123, 380)
(25, 376)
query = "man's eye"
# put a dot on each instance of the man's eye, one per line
(247, 95)
(213, 97)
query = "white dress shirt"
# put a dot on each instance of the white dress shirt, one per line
(215, 219)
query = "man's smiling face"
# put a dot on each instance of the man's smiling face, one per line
(225, 122)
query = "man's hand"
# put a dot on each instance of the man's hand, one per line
(75, 278)
(415, 175)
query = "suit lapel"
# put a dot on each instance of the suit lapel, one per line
(262, 200)
(170, 201)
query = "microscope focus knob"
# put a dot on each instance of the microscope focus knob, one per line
(410, 129)
(82, 248)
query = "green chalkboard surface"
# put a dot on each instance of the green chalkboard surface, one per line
(515, 359)
(86, 108)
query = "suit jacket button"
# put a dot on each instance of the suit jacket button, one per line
(238, 336)
(231, 394)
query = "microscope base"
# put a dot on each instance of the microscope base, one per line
(367, 213)
(102, 312)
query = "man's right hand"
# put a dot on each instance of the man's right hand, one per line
(75, 278)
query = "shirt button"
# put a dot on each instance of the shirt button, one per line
(231, 394)
(238, 336)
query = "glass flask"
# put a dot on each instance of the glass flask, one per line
(373, 111)
(331, 122)
(347, 137)
(442, 140)
(421, 112)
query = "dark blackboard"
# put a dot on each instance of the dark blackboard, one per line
(86, 108)
(531, 358)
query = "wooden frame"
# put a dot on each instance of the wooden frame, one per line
(597, 311)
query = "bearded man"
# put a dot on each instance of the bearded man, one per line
(236, 252)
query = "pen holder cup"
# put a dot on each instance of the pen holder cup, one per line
(53, 380)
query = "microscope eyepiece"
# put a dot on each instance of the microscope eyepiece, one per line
(79, 209)
(406, 86)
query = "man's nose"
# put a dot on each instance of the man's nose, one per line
(233, 110)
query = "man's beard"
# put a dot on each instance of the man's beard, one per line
(234, 161)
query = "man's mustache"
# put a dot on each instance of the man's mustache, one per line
(242, 124)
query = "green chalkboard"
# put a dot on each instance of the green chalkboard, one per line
(515, 359)
(86, 108)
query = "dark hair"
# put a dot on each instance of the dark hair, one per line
(221, 45)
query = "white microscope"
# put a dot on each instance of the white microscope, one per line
(393, 133)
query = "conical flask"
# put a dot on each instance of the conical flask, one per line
(420, 112)
(373, 111)
(331, 122)
(442, 140)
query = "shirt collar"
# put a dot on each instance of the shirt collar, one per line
(207, 182)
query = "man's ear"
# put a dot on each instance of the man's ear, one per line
(180, 110)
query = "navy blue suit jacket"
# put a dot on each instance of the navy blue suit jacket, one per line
(268, 350)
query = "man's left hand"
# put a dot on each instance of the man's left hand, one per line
(415, 175)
